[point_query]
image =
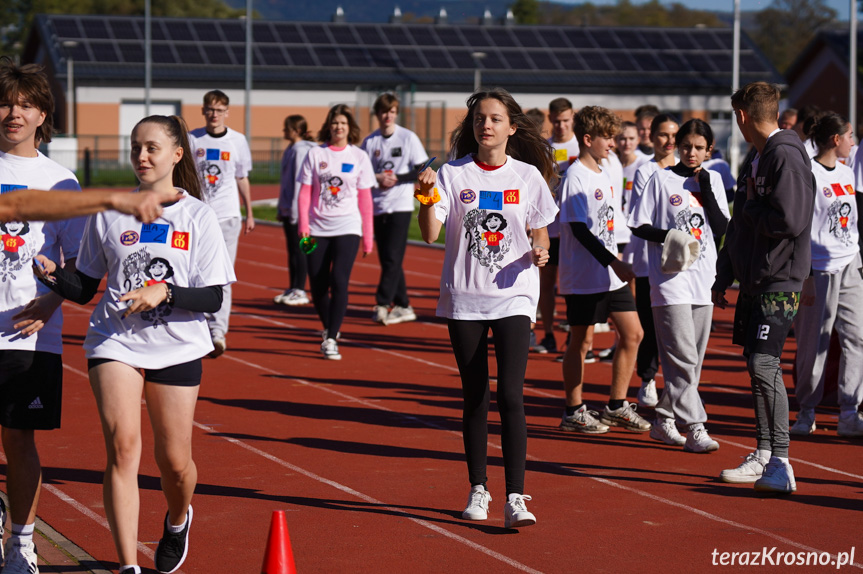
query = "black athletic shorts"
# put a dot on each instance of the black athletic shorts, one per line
(597, 307)
(182, 375)
(553, 250)
(31, 389)
(762, 321)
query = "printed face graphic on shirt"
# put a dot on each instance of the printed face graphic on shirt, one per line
(486, 240)
(838, 219)
(16, 251)
(141, 269)
(693, 224)
(211, 175)
(605, 225)
(331, 185)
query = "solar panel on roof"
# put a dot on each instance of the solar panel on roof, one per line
(543, 59)
(357, 57)
(707, 41)
(162, 54)
(723, 62)
(178, 30)
(752, 65)
(382, 57)
(316, 34)
(239, 53)
(554, 38)
(289, 33)
(125, 29)
(595, 60)
(217, 54)
(398, 37)
(157, 32)
(501, 37)
(369, 35)
(648, 61)
(328, 56)
(656, 40)
(570, 60)
(494, 61)
(450, 37)
(463, 59)
(233, 31)
(528, 37)
(621, 61)
(272, 56)
(262, 33)
(631, 40)
(423, 35)
(67, 27)
(300, 56)
(102, 52)
(580, 38)
(207, 32)
(343, 35)
(410, 58)
(681, 40)
(517, 60)
(475, 36)
(675, 62)
(131, 51)
(190, 53)
(725, 39)
(437, 58)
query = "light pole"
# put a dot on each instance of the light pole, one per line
(477, 73)
(248, 118)
(852, 68)
(734, 143)
(70, 87)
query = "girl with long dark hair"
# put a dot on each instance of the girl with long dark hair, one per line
(488, 196)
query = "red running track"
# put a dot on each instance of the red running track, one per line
(365, 455)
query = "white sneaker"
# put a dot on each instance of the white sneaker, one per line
(697, 440)
(380, 314)
(778, 477)
(647, 396)
(805, 423)
(515, 513)
(601, 328)
(850, 424)
(477, 504)
(665, 430)
(330, 350)
(624, 417)
(292, 298)
(583, 421)
(401, 315)
(20, 557)
(750, 470)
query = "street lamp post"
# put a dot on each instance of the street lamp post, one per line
(70, 86)
(477, 73)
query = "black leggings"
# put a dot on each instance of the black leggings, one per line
(391, 235)
(470, 345)
(297, 264)
(647, 359)
(330, 267)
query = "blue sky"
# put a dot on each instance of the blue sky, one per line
(841, 6)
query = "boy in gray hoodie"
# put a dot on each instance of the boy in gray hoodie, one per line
(767, 249)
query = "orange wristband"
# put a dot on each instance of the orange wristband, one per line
(426, 200)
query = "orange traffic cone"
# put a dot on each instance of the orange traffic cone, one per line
(278, 558)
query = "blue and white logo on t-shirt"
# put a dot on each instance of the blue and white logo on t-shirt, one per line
(491, 200)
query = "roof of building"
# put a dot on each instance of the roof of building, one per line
(838, 41)
(109, 50)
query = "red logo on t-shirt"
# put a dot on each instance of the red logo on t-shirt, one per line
(837, 189)
(180, 240)
(510, 196)
(226, 156)
(492, 238)
(849, 189)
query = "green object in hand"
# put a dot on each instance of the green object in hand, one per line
(308, 244)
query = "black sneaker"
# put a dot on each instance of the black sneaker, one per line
(172, 548)
(590, 357)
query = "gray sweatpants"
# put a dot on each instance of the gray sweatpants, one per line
(218, 321)
(771, 404)
(837, 302)
(682, 332)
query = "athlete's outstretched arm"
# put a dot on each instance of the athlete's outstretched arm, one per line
(35, 204)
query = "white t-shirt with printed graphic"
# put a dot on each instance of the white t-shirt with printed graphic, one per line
(183, 247)
(488, 270)
(636, 251)
(220, 161)
(564, 154)
(399, 153)
(23, 240)
(834, 219)
(587, 197)
(335, 177)
(670, 201)
(626, 201)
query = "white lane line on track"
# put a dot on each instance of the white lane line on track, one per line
(600, 480)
